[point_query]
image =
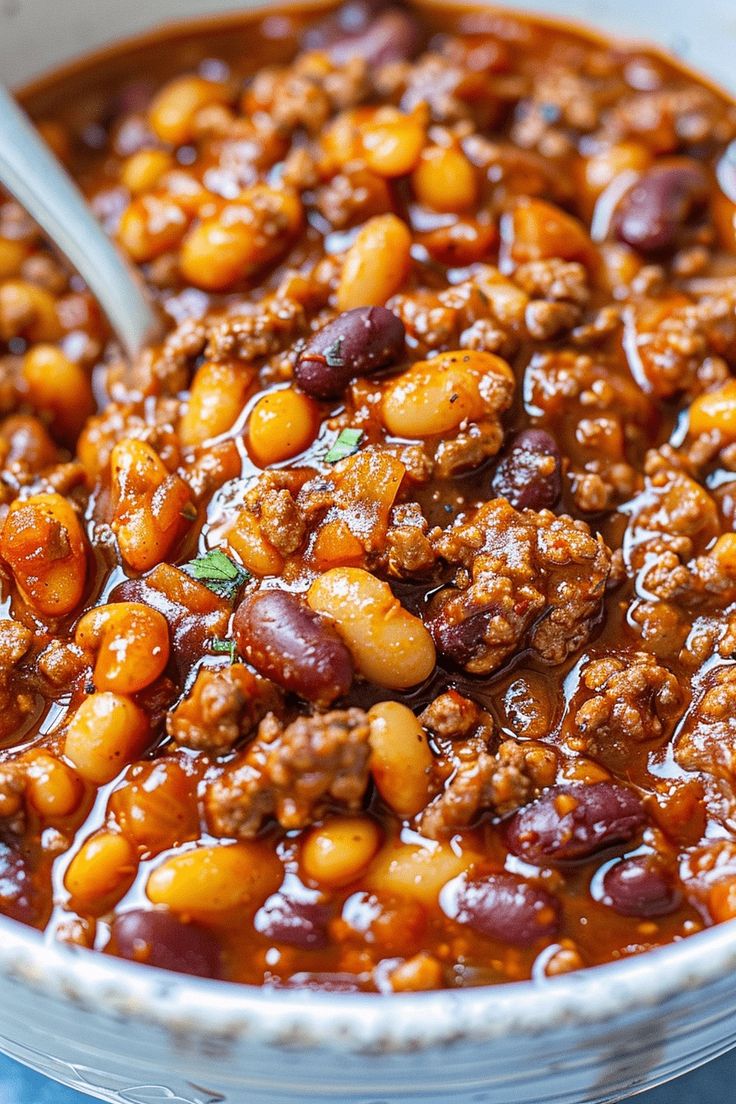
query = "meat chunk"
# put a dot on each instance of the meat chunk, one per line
(485, 312)
(409, 551)
(256, 330)
(451, 716)
(524, 579)
(12, 791)
(291, 772)
(17, 700)
(670, 537)
(632, 698)
(674, 342)
(304, 94)
(484, 781)
(223, 706)
(707, 742)
(61, 663)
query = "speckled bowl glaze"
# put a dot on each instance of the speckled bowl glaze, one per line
(123, 1032)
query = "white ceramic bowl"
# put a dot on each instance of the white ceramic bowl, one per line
(124, 1032)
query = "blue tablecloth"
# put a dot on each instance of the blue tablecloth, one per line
(713, 1084)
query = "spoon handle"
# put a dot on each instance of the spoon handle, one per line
(32, 174)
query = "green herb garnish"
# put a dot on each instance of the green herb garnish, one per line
(346, 444)
(224, 647)
(333, 353)
(218, 572)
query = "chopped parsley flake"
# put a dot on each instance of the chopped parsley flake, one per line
(333, 353)
(225, 647)
(346, 444)
(218, 572)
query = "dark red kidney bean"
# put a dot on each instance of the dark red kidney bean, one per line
(571, 822)
(652, 212)
(375, 31)
(640, 886)
(288, 642)
(158, 938)
(351, 18)
(355, 343)
(508, 908)
(530, 474)
(300, 924)
(460, 641)
(726, 172)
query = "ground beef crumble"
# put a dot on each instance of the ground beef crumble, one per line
(291, 772)
(523, 578)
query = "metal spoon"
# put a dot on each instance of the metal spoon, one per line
(32, 174)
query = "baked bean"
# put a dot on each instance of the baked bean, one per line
(58, 388)
(715, 412)
(52, 788)
(654, 210)
(104, 735)
(257, 553)
(435, 396)
(601, 168)
(356, 343)
(341, 141)
(143, 169)
(503, 907)
(158, 938)
(216, 879)
(415, 871)
(535, 230)
(376, 264)
(401, 760)
(12, 255)
(289, 643)
(23, 438)
(173, 110)
(296, 922)
(187, 192)
(28, 311)
(529, 475)
(231, 246)
(640, 886)
(724, 553)
(724, 220)
(101, 872)
(392, 142)
(445, 180)
(419, 973)
(722, 901)
(335, 853)
(388, 644)
(216, 399)
(150, 226)
(130, 643)
(149, 505)
(282, 424)
(574, 821)
(155, 806)
(43, 544)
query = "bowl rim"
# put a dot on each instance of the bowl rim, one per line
(366, 1023)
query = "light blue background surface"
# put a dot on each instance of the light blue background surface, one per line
(713, 1084)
